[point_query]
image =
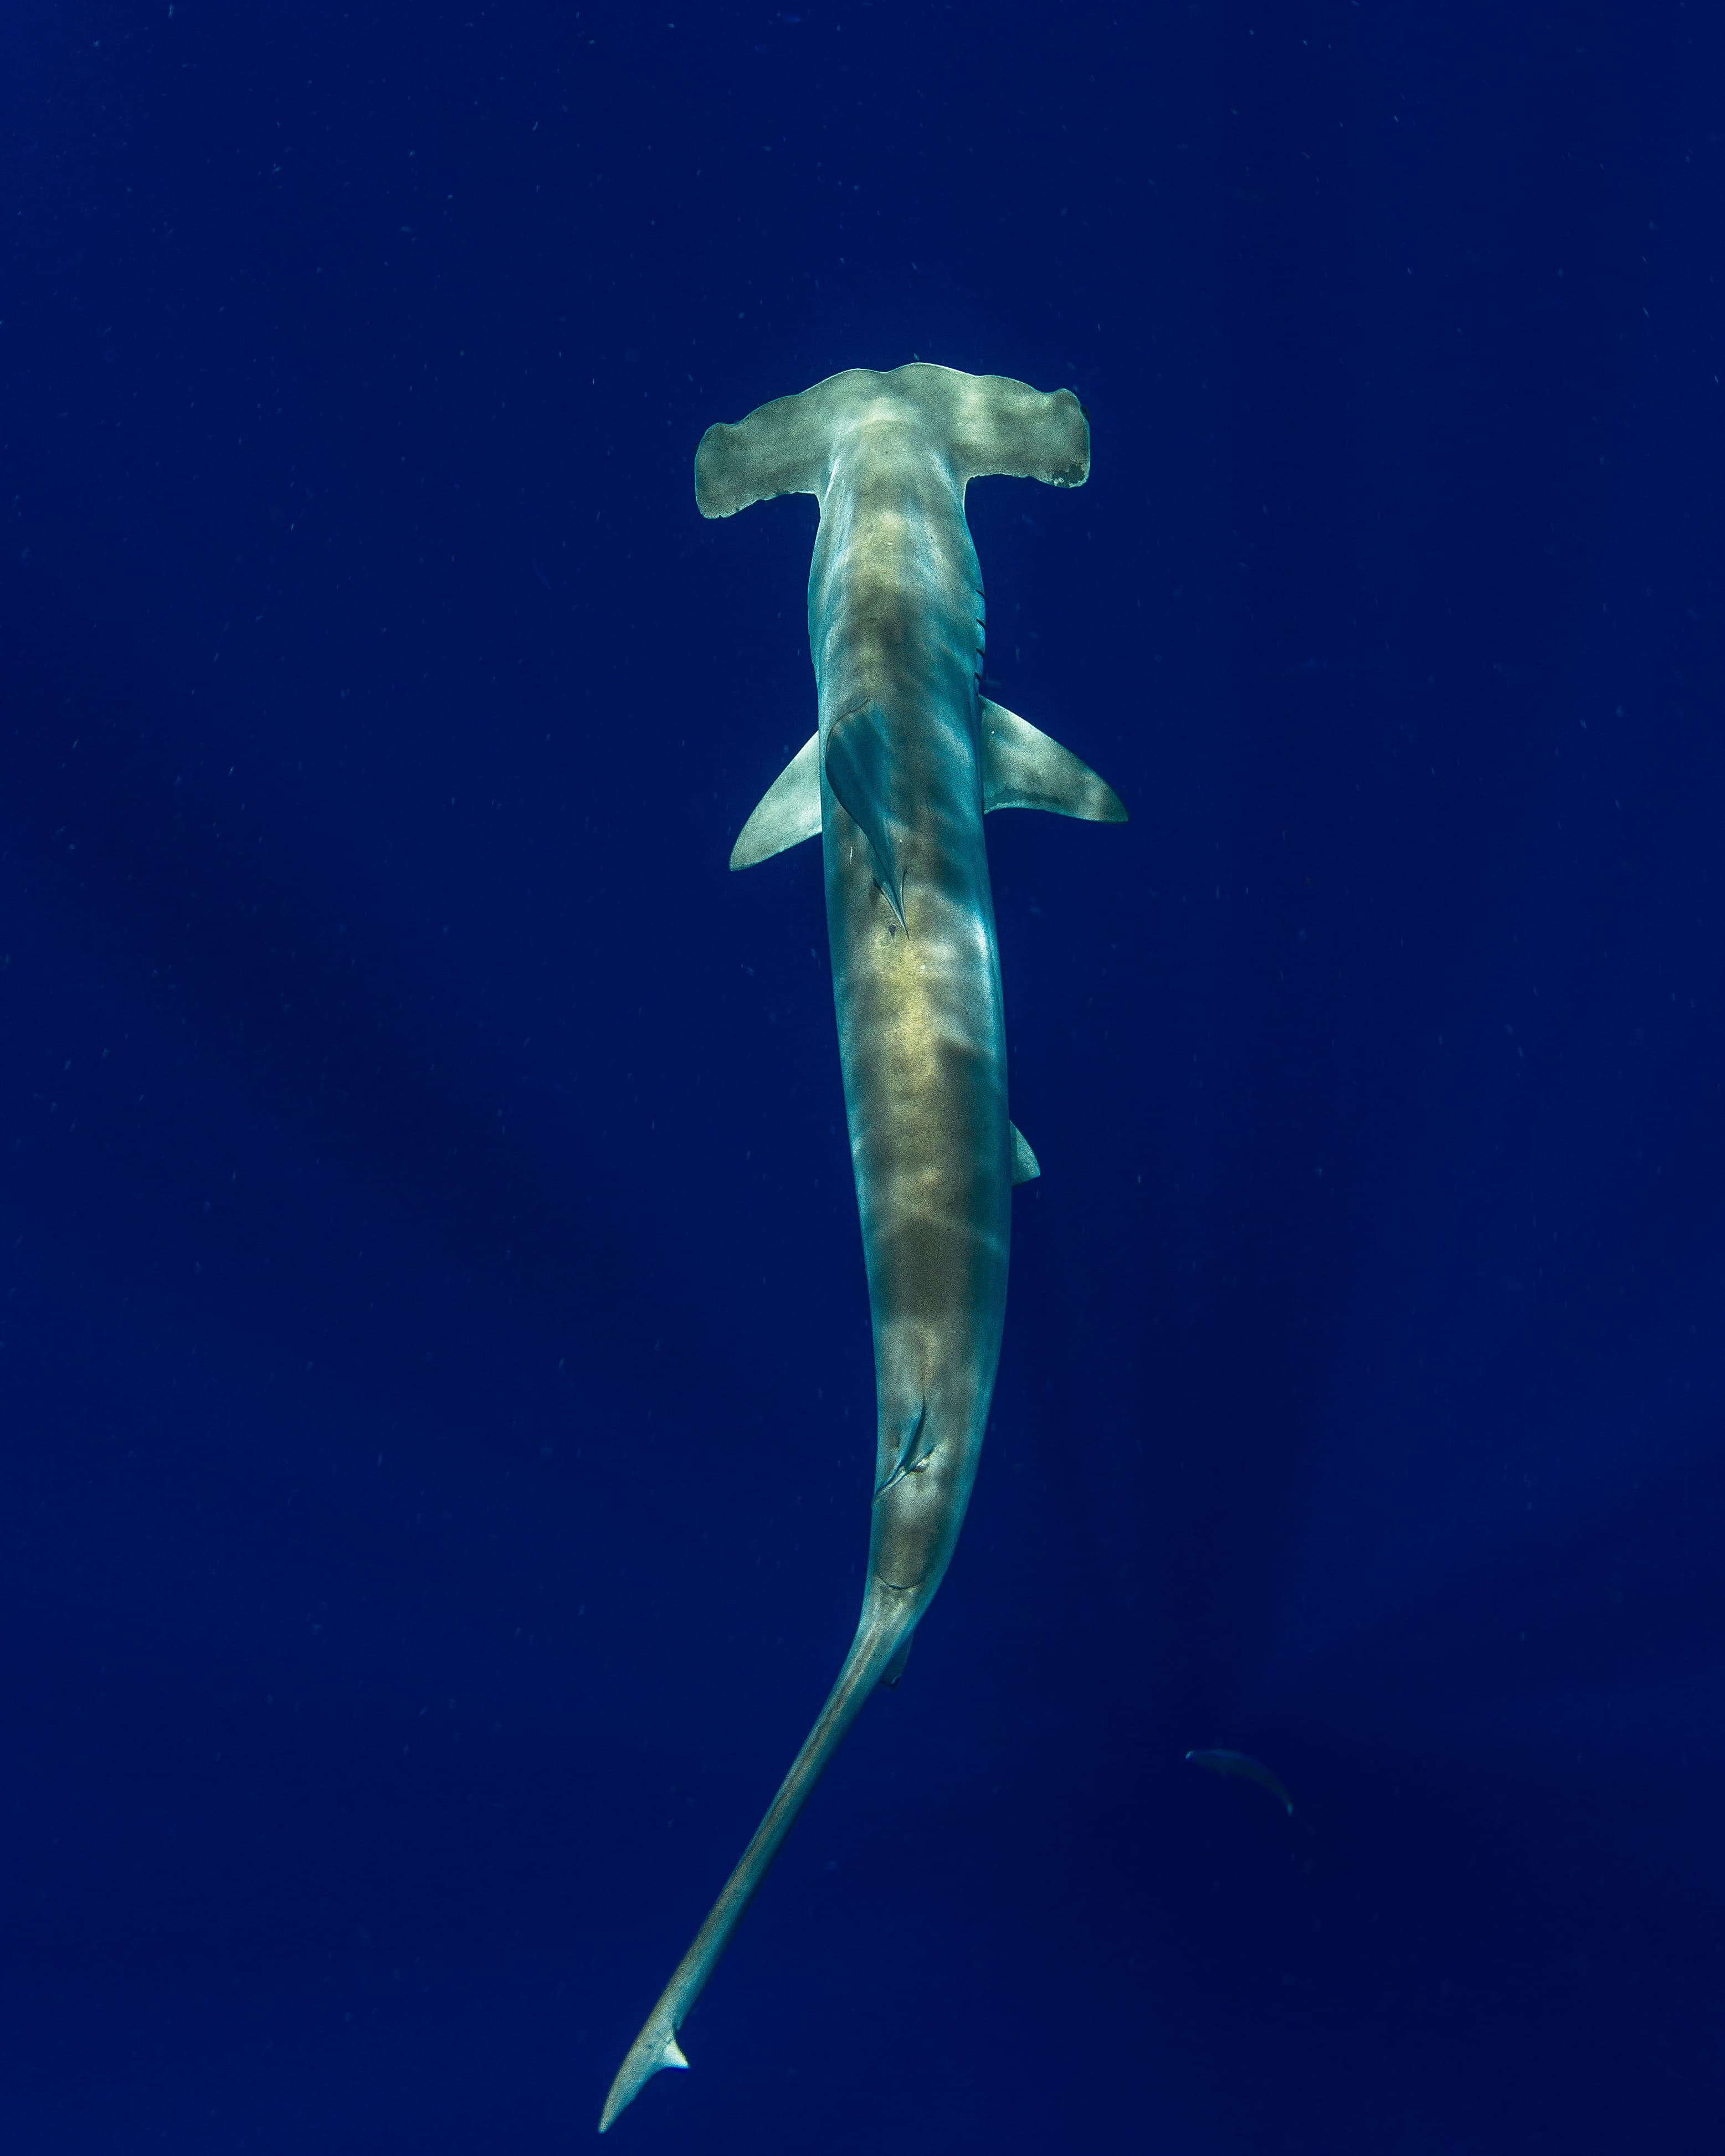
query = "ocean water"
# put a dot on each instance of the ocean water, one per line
(435, 1395)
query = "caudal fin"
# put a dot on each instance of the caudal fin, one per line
(888, 1615)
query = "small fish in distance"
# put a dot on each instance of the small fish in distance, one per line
(1247, 1768)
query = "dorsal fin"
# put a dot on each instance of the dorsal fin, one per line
(860, 766)
(1023, 767)
(788, 812)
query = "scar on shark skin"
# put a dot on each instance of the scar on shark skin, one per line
(906, 758)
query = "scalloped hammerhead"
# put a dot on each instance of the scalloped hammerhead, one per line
(908, 757)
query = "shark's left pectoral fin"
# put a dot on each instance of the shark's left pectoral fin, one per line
(786, 814)
(1024, 768)
(858, 761)
(1025, 1166)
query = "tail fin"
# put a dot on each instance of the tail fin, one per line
(888, 1613)
(988, 424)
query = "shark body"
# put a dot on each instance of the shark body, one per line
(908, 757)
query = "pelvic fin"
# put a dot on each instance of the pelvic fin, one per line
(1025, 1166)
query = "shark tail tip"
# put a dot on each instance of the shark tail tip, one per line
(652, 2051)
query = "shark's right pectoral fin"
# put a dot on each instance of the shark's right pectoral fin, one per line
(786, 814)
(1022, 768)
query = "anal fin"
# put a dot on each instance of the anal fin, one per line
(786, 814)
(1024, 768)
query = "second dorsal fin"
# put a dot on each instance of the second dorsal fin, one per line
(1023, 767)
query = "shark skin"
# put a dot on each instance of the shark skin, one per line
(906, 757)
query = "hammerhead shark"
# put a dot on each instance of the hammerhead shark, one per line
(907, 758)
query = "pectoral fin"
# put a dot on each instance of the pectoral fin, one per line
(1024, 768)
(860, 769)
(788, 812)
(1025, 1166)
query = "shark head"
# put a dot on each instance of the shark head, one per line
(980, 425)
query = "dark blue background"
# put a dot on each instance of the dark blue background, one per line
(437, 1406)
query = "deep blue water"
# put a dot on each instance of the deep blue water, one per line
(437, 1395)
